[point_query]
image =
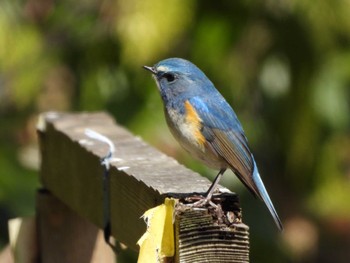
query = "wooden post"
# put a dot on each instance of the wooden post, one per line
(213, 234)
(66, 237)
(140, 178)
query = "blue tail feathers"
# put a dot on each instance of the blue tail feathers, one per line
(265, 196)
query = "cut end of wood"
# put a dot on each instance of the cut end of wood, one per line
(211, 233)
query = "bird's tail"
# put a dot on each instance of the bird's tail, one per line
(265, 196)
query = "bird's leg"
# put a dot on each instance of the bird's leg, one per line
(213, 186)
(206, 199)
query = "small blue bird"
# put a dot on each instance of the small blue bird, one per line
(206, 126)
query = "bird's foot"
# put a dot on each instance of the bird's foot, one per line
(200, 201)
(205, 202)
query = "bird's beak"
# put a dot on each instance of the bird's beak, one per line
(152, 69)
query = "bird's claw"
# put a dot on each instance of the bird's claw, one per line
(200, 201)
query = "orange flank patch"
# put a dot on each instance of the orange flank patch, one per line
(194, 121)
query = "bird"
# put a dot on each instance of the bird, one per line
(206, 126)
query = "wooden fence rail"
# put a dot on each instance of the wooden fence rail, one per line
(141, 177)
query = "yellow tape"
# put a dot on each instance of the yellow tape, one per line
(157, 243)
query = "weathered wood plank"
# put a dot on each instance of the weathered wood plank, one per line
(140, 178)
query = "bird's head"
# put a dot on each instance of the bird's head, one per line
(178, 77)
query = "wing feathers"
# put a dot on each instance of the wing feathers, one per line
(224, 133)
(237, 155)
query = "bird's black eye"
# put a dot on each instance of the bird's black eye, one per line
(169, 77)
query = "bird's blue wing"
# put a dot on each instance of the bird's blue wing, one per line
(225, 135)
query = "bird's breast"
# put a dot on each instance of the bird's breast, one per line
(186, 125)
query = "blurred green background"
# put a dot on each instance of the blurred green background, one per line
(283, 65)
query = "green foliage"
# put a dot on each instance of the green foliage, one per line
(283, 65)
